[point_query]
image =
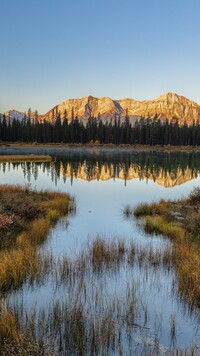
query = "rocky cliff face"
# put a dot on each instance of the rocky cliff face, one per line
(85, 107)
(168, 106)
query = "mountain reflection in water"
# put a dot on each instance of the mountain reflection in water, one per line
(165, 169)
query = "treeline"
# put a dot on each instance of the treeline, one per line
(144, 131)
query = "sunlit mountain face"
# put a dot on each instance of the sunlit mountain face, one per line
(168, 106)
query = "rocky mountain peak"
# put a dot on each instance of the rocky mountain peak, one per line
(167, 106)
(169, 96)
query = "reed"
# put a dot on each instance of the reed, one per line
(88, 321)
(106, 254)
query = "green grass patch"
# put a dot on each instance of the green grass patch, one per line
(159, 225)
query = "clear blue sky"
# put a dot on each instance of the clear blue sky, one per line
(52, 50)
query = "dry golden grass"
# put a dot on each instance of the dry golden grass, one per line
(15, 266)
(9, 325)
(184, 235)
(38, 212)
(186, 258)
(15, 340)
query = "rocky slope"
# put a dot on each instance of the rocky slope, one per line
(169, 106)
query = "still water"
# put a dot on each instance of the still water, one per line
(103, 185)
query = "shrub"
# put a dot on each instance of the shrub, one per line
(22, 205)
(195, 196)
(193, 222)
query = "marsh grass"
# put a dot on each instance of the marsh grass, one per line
(151, 209)
(186, 250)
(19, 259)
(73, 326)
(106, 254)
(159, 225)
(15, 266)
(188, 271)
(88, 321)
(184, 234)
(53, 216)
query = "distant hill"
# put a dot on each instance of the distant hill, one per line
(169, 105)
(11, 114)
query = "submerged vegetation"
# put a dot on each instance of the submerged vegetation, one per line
(92, 319)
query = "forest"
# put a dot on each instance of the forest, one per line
(94, 130)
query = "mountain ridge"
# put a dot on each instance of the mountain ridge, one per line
(167, 106)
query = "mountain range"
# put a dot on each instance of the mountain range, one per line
(167, 106)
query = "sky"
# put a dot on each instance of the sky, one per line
(53, 50)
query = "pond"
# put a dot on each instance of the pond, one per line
(147, 314)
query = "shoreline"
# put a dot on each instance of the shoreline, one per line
(6, 149)
(25, 158)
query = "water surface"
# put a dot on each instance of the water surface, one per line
(103, 185)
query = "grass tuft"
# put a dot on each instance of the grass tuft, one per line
(160, 208)
(159, 225)
(52, 216)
